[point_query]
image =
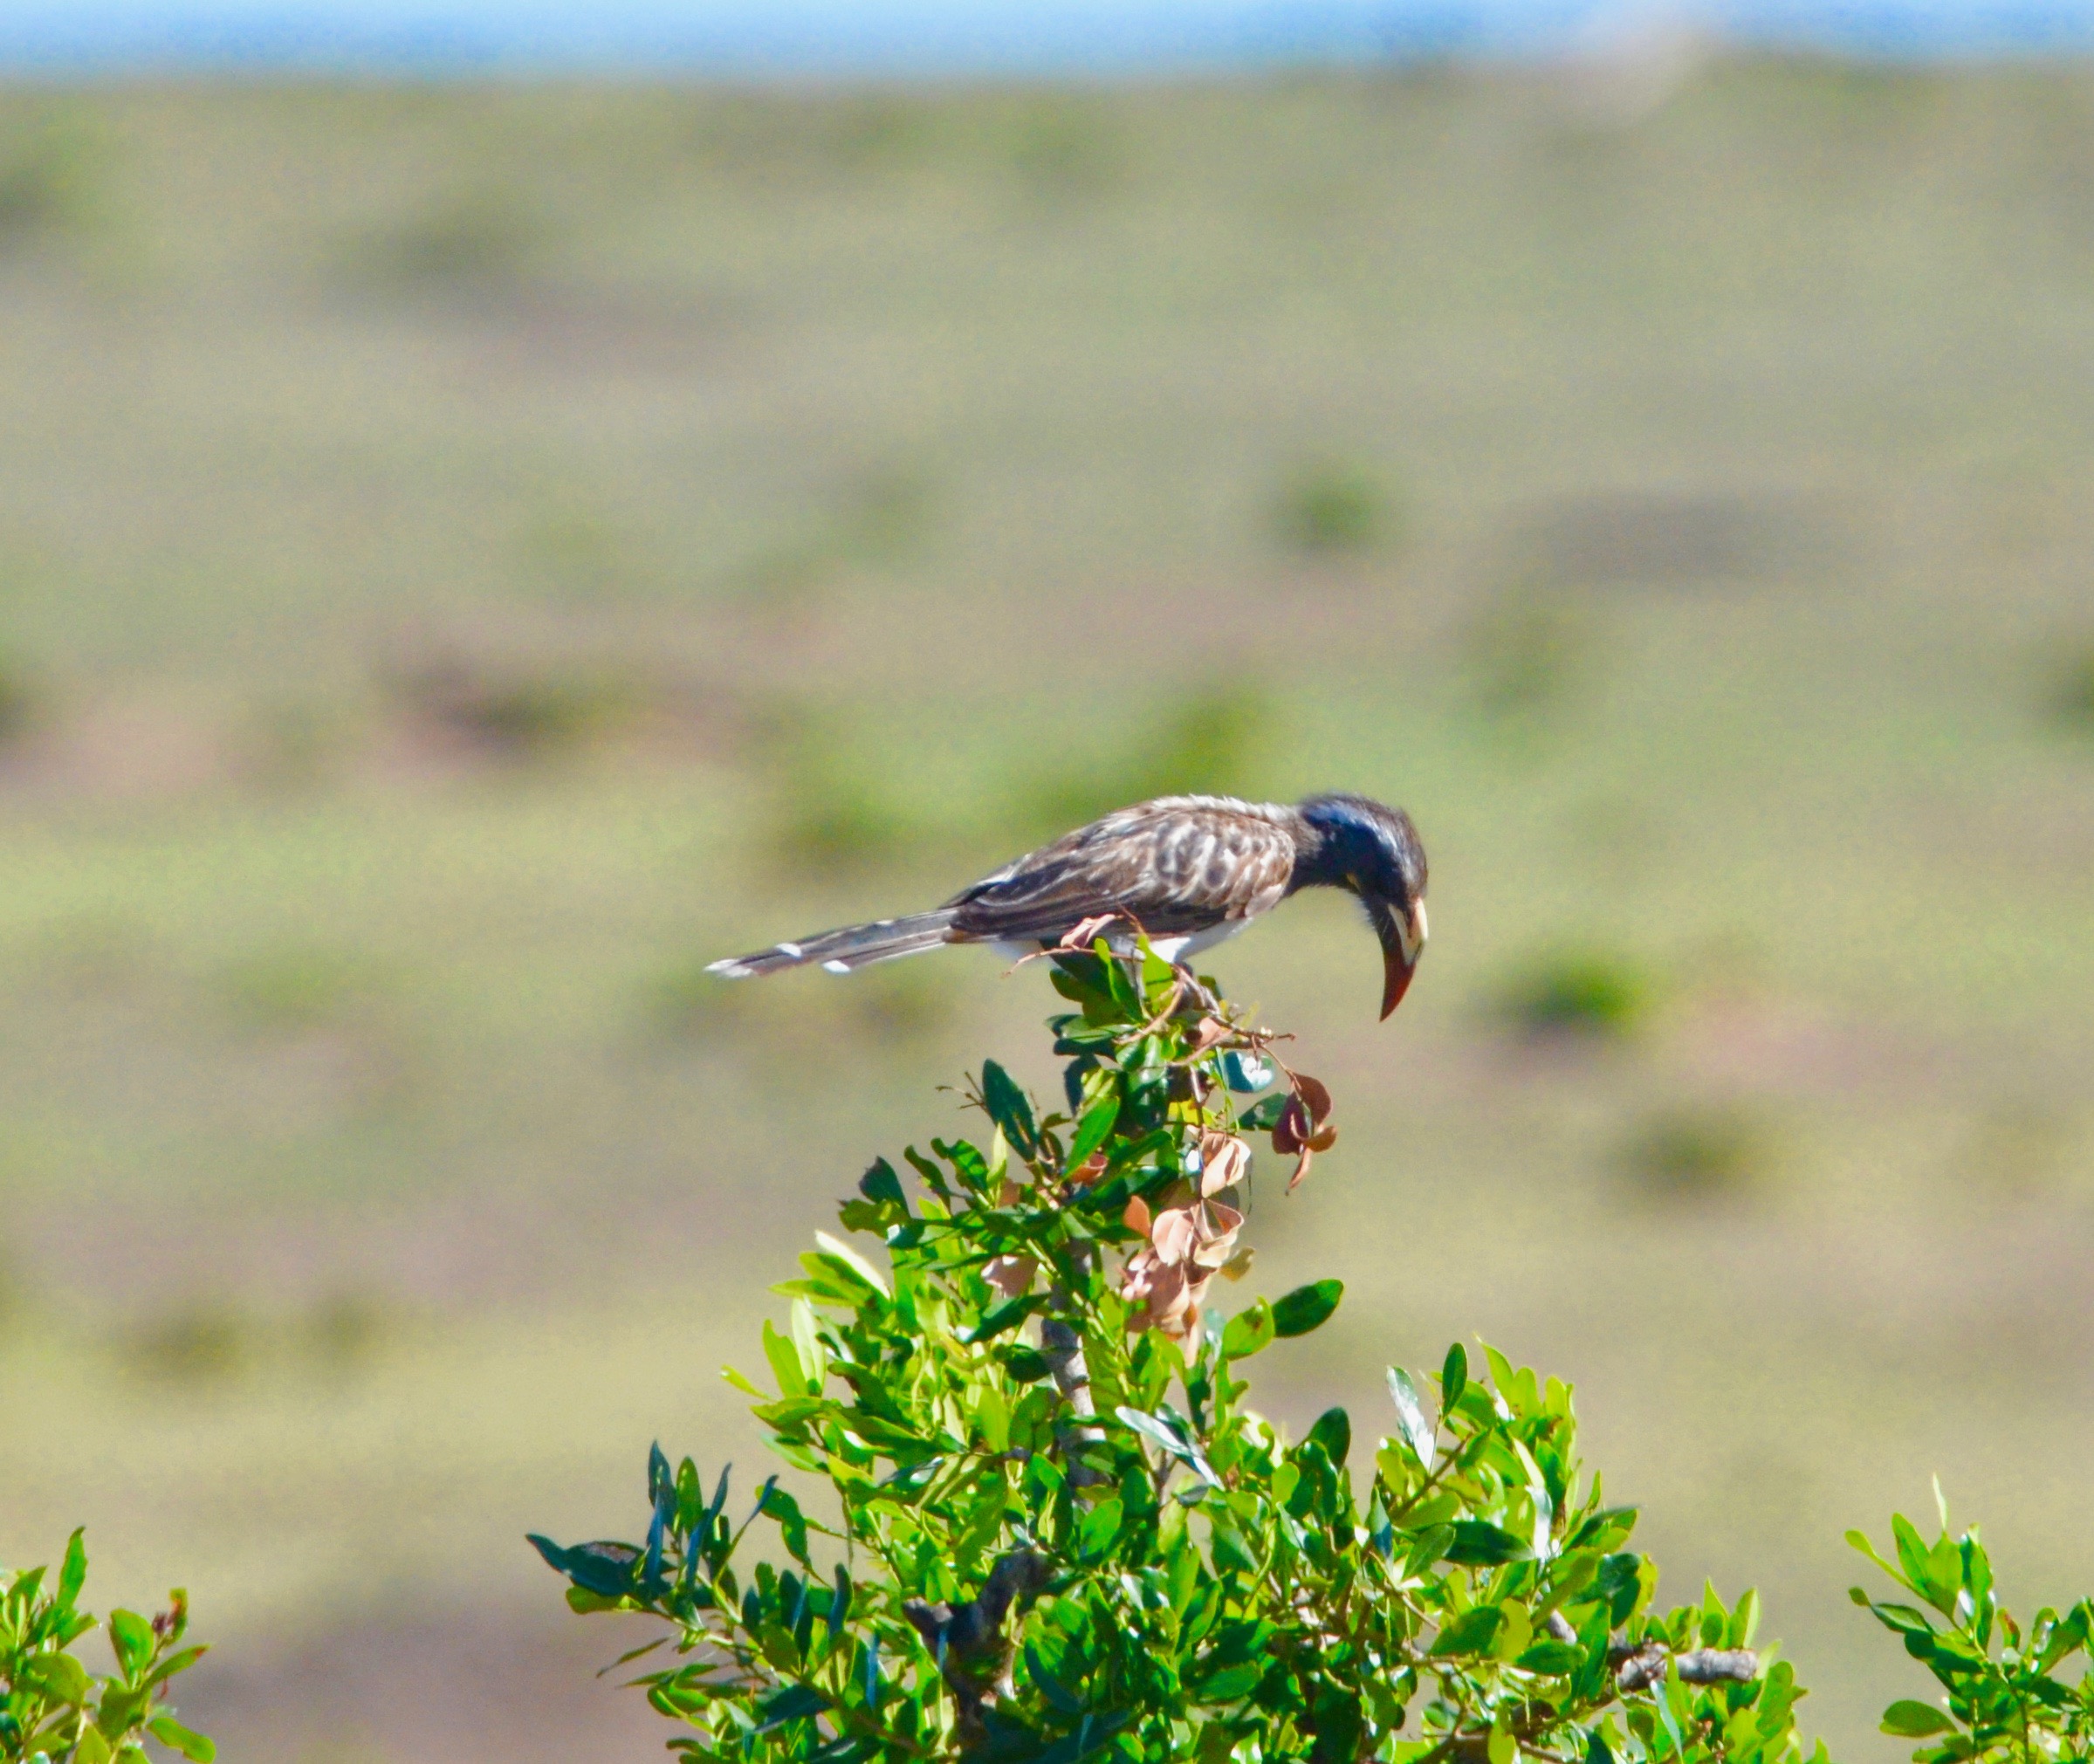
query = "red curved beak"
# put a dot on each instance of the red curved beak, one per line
(1403, 936)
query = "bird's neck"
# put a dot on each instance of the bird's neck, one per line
(1324, 857)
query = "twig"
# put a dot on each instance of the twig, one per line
(1637, 1668)
(974, 1656)
(1062, 1348)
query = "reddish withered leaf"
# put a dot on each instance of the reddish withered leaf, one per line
(1313, 1097)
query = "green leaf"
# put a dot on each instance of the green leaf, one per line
(1009, 1108)
(881, 1183)
(1307, 1308)
(131, 1638)
(1339, 1723)
(180, 1661)
(1911, 1720)
(1478, 1543)
(1246, 1073)
(1095, 1128)
(1099, 1526)
(807, 1343)
(1550, 1659)
(856, 1263)
(1858, 1541)
(1333, 1431)
(170, 1731)
(794, 1703)
(1006, 1316)
(1248, 1331)
(1264, 1114)
(1026, 1365)
(1454, 1378)
(786, 1367)
(603, 1569)
(1169, 1438)
(73, 1575)
(1058, 1695)
(1411, 1415)
(1470, 1633)
(56, 1675)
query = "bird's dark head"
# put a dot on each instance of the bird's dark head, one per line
(1374, 852)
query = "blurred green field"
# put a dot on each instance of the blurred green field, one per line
(469, 557)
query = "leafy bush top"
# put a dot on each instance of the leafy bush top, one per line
(52, 1709)
(2004, 1703)
(1053, 1528)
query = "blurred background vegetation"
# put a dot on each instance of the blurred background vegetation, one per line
(471, 556)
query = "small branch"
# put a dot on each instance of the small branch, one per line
(1062, 1348)
(974, 1656)
(1637, 1668)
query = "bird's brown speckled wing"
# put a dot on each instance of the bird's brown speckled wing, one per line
(1180, 865)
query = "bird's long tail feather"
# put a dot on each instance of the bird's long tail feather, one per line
(848, 948)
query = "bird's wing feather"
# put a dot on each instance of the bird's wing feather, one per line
(1178, 865)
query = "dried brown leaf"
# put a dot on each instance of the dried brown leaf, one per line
(1291, 1131)
(1010, 1276)
(1225, 1161)
(1313, 1097)
(1177, 1234)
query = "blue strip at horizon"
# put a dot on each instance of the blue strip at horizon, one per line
(938, 39)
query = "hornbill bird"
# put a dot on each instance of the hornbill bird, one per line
(1187, 870)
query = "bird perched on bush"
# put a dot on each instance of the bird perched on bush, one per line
(1186, 871)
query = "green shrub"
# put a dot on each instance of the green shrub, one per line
(50, 175)
(2075, 693)
(835, 811)
(1697, 1149)
(522, 710)
(295, 987)
(1578, 991)
(52, 1709)
(1530, 655)
(21, 698)
(2002, 1701)
(479, 239)
(1333, 506)
(1209, 741)
(1059, 1532)
(202, 1340)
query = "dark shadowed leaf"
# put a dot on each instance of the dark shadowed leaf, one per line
(1333, 1431)
(1264, 1114)
(1478, 1543)
(1454, 1378)
(1307, 1308)
(791, 1704)
(881, 1183)
(1009, 1108)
